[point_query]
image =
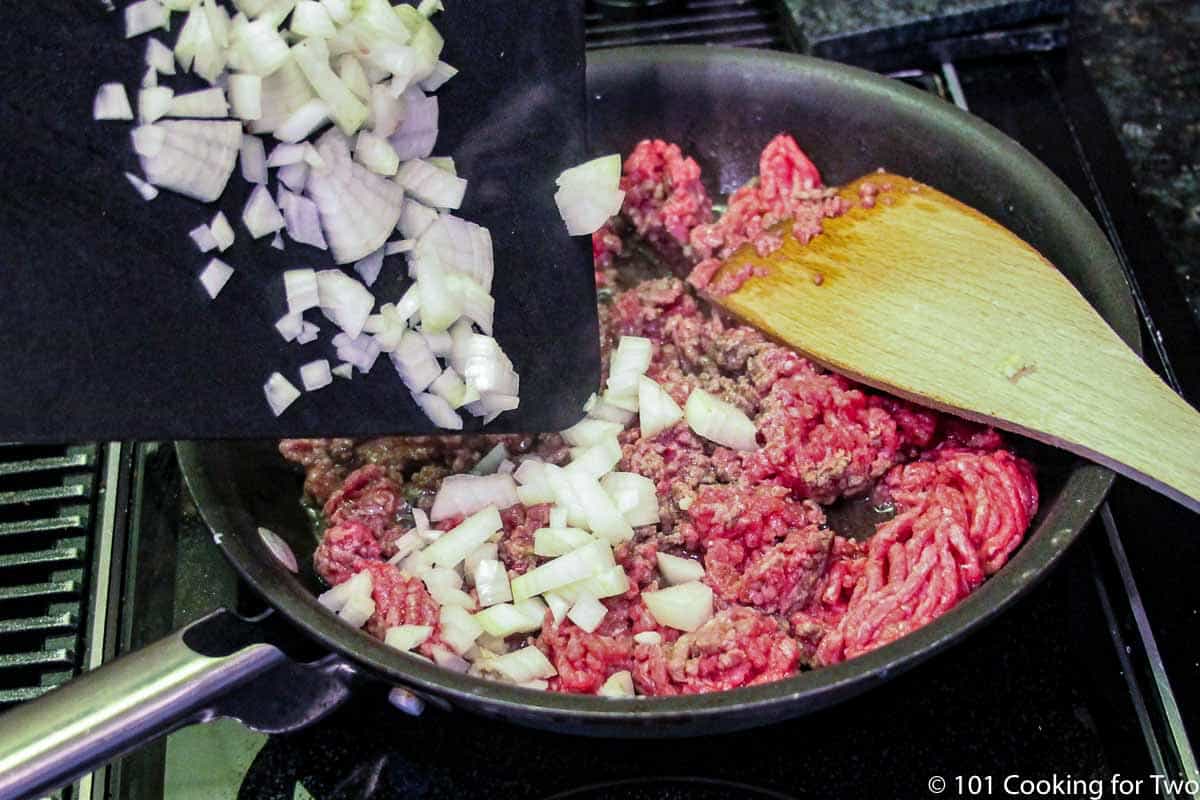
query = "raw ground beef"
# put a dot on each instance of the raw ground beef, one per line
(789, 592)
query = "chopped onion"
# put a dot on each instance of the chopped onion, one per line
(149, 78)
(447, 659)
(153, 103)
(406, 637)
(279, 548)
(567, 569)
(521, 666)
(684, 607)
(339, 10)
(558, 541)
(147, 191)
(287, 153)
(440, 412)
(350, 72)
(418, 130)
(112, 103)
(289, 326)
(619, 684)
(196, 156)
(302, 220)
(442, 72)
(222, 231)
(430, 185)
(535, 487)
(462, 495)
(302, 122)
(215, 276)
(719, 421)
(295, 177)
(245, 96)
(648, 637)
(360, 584)
(562, 494)
(357, 611)
(385, 111)
(280, 393)
(368, 268)
(483, 364)
(490, 461)
(610, 582)
(505, 619)
(344, 301)
(428, 8)
(253, 160)
(308, 333)
(310, 18)
(606, 411)
(458, 543)
(631, 359)
(361, 351)
(558, 606)
(143, 16)
(558, 517)
(415, 363)
(302, 290)
(159, 57)
(260, 47)
(457, 628)
(415, 219)
(344, 371)
(603, 517)
(657, 411)
(634, 496)
(376, 153)
(488, 551)
(283, 92)
(209, 103)
(676, 570)
(587, 612)
(598, 459)
(589, 194)
(261, 216)
(590, 431)
(203, 236)
(312, 56)
(491, 583)
(316, 375)
(359, 209)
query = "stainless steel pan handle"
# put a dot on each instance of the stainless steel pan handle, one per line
(72, 730)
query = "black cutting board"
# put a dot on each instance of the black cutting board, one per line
(105, 329)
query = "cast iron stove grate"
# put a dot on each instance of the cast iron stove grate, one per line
(742, 23)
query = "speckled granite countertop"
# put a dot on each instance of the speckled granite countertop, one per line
(1144, 57)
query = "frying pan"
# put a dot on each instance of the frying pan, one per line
(721, 106)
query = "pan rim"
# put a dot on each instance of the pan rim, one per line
(1086, 485)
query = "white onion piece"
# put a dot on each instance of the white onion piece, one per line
(316, 375)
(196, 157)
(558, 606)
(302, 220)
(415, 363)
(455, 545)
(280, 393)
(619, 684)
(428, 8)
(283, 92)
(524, 665)
(310, 18)
(405, 546)
(202, 235)
(261, 216)
(440, 307)
(289, 326)
(603, 517)
(287, 153)
(505, 619)
(634, 496)
(564, 570)
(149, 78)
(207, 103)
(148, 140)
(361, 351)
(630, 360)
(389, 327)
(384, 113)
(462, 495)
(143, 16)
(430, 185)
(350, 72)
(483, 364)
(589, 194)
(457, 629)
(376, 154)
(368, 268)
(648, 637)
(344, 371)
(302, 290)
(358, 209)
(415, 219)
(218, 22)
(417, 132)
(587, 612)
(339, 10)
(260, 47)
(222, 231)
(304, 121)
(558, 517)
(295, 177)
(462, 247)
(606, 411)
(245, 96)
(488, 551)
(657, 411)
(279, 548)
(676, 569)
(440, 412)
(597, 460)
(445, 587)
(442, 72)
(344, 301)
(215, 276)
(153, 103)
(590, 431)
(253, 159)
(562, 494)
(357, 611)
(360, 584)
(560, 540)
(159, 57)
(719, 421)
(147, 191)
(609, 582)
(491, 583)
(684, 607)
(445, 658)
(407, 637)
(312, 56)
(308, 333)
(112, 103)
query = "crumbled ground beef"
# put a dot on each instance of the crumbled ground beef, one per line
(789, 592)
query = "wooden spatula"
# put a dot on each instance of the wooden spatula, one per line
(925, 297)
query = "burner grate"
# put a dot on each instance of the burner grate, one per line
(47, 504)
(741, 23)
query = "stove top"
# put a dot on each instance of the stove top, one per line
(1092, 675)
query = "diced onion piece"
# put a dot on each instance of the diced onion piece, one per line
(359, 210)
(310, 18)
(558, 541)
(159, 57)
(446, 658)
(564, 570)
(350, 72)
(587, 612)
(414, 362)
(460, 495)
(368, 268)
(344, 301)
(558, 517)
(253, 158)
(634, 496)
(439, 412)
(407, 637)
(339, 10)
(719, 421)
(619, 684)
(491, 583)
(604, 409)
(260, 47)
(458, 543)
(149, 78)
(344, 371)
(308, 333)
(203, 236)
(289, 326)
(631, 358)
(558, 606)
(450, 387)
(302, 290)
(648, 637)
(445, 587)
(598, 459)
(153, 103)
(316, 375)
(384, 112)
(676, 570)
(684, 607)
(283, 92)
(112, 103)
(428, 8)
(589, 194)
(312, 56)
(603, 517)
(415, 219)
(147, 191)
(287, 153)
(535, 488)
(279, 548)
(562, 494)
(483, 364)
(143, 16)
(222, 231)
(302, 220)
(657, 411)
(609, 582)
(521, 666)
(215, 276)
(294, 177)
(280, 393)
(376, 154)
(590, 431)
(505, 619)
(196, 157)
(303, 121)
(430, 185)
(358, 585)
(442, 72)
(488, 551)
(357, 611)
(245, 95)
(418, 129)
(261, 216)
(207, 103)
(458, 629)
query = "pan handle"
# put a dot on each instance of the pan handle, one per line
(48, 742)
